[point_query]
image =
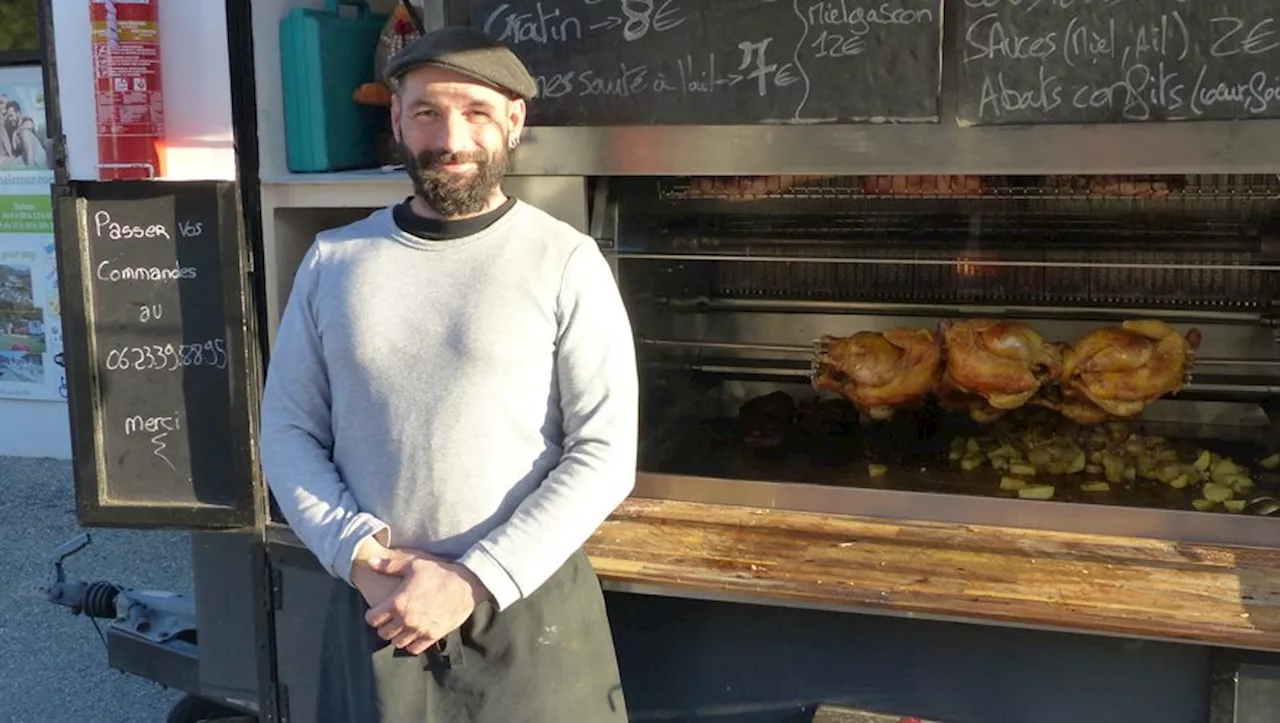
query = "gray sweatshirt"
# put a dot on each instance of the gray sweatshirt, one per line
(475, 398)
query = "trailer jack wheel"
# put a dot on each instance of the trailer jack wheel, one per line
(194, 709)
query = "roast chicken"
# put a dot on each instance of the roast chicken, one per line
(1069, 401)
(744, 187)
(949, 185)
(994, 366)
(880, 372)
(741, 188)
(989, 367)
(1120, 370)
(1121, 186)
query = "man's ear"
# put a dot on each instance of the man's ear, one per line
(516, 116)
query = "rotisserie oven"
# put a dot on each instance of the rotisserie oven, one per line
(1086, 353)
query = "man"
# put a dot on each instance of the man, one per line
(450, 412)
(21, 140)
(6, 142)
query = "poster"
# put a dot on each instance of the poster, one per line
(25, 148)
(30, 329)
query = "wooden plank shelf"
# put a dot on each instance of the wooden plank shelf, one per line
(1147, 588)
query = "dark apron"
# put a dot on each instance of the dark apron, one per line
(548, 658)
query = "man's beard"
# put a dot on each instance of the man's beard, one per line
(454, 194)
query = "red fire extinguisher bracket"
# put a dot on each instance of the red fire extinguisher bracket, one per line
(127, 88)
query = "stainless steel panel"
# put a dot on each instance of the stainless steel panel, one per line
(1092, 314)
(1184, 147)
(564, 198)
(1224, 343)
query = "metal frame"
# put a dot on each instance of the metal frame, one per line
(52, 102)
(244, 114)
(173, 663)
(93, 508)
(10, 58)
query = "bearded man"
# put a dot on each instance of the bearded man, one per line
(450, 411)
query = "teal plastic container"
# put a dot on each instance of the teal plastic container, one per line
(325, 55)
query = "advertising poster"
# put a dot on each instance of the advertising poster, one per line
(24, 143)
(30, 330)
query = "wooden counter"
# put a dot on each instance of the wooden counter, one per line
(1205, 594)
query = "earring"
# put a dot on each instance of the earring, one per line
(513, 142)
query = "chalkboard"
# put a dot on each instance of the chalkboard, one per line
(715, 62)
(1091, 61)
(159, 335)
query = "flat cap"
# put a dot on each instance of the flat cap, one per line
(468, 51)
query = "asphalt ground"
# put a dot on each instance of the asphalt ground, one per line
(53, 665)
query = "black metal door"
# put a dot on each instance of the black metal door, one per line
(160, 338)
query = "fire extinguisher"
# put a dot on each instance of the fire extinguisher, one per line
(127, 92)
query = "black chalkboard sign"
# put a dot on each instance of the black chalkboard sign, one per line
(609, 62)
(155, 332)
(1092, 61)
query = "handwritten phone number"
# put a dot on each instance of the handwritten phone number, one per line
(168, 357)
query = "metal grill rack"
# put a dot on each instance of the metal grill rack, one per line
(1175, 242)
(1158, 188)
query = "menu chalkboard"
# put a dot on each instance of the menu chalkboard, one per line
(1091, 61)
(158, 328)
(607, 62)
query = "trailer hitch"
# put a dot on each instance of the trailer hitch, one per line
(95, 599)
(154, 615)
(151, 634)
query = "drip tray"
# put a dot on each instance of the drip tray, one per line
(911, 453)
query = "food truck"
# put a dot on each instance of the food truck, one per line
(956, 323)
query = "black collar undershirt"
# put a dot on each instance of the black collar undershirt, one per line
(434, 229)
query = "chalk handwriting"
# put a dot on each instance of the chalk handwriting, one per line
(757, 68)
(158, 427)
(158, 441)
(861, 20)
(830, 44)
(138, 424)
(167, 357)
(542, 24)
(536, 25)
(625, 81)
(641, 15)
(1000, 97)
(1259, 39)
(106, 272)
(1029, 5)
(988, 39)
(750, 64)
(106, 227)
(190, 229)
(1255, 96)
(1107, 59)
